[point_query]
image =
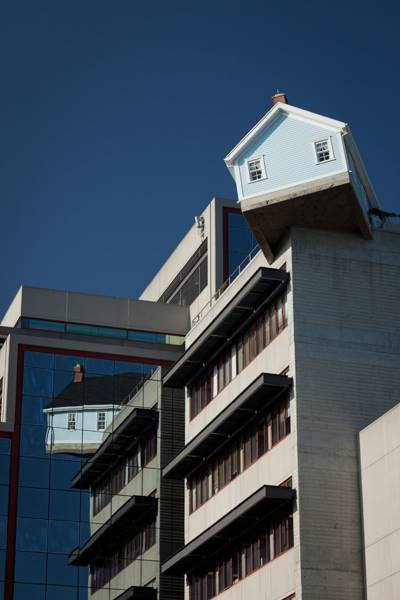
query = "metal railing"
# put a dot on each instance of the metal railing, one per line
(245, 262)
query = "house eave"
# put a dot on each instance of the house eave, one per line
(279, 107)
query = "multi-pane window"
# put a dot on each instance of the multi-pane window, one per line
(272, 538)
(101, 420)
(201, 395)
(323, 150)
(256, 169)
(242, 450)
(104, 570)
(71, 421)
(192, 286)
(190, 280)
(95, 330)
(49, 394)
(238, 242)
(239, 355)
(124, 471)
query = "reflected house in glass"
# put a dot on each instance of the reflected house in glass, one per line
(72, 402)
(128, 499)
(78, 417)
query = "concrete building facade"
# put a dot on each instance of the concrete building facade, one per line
(297, 355)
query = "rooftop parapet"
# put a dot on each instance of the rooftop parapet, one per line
(86, 314)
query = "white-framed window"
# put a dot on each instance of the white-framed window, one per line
(101, 420)
(71, 422)
(323, 150)
(256, 169)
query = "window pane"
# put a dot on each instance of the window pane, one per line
(240, 356)
(261, 439)
(248, 559)
(253, 445)
(275, 428)
(81, 329)
(240, 242)
(282, 422)
(41, 324)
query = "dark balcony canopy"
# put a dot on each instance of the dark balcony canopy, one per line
(260, 290)
(261, 392)
(266, 500)
(137, 422)
(125, 520)
(138, 593)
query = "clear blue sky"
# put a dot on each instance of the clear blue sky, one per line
(115, 118)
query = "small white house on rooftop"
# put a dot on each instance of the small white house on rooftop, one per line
(298, 168)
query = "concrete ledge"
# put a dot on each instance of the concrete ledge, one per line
(327, 203)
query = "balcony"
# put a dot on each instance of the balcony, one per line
(262, 391)
(126, 519)
(138, 593)
(261, 289)
(266, 500)
(137, 422)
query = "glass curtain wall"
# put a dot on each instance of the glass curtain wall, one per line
(5, 446)
(62, 395)
(239, 241)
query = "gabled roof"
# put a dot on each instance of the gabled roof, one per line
(99, 390)
(270, 116)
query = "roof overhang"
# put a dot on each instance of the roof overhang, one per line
(269, 117)
(137, 422)
(138, 593)
(259, 505)
(259, 394)
(126, 519)
(264, 285)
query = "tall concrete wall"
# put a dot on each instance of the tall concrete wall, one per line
(347, 346)
(281, 577)
(380, 469)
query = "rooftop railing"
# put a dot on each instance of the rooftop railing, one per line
(214, 299)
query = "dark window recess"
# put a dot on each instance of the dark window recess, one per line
(103, 570)
(239, 241)
(273, 537)
(190, 281)
(123, 472)
(245, 448)
(191, 288)
(249, 345)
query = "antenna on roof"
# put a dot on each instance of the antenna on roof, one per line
(200, 224)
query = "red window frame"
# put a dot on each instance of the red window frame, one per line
(242, 451)
(261, 333)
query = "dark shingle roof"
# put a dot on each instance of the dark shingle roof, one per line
(103, 390)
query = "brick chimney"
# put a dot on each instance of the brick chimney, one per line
(78, 373)
(279, 97)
